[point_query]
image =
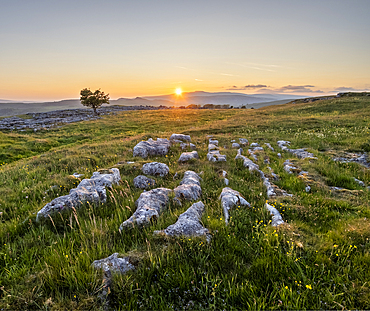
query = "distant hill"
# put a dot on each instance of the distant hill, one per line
(11, 108)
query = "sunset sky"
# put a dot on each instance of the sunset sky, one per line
(51, 49)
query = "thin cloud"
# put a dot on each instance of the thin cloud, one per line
(198, 80)
(246, 87)
(298, 89)
(256, 66)
(348, 89)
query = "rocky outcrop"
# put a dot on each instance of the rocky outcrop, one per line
(299, 153)
(187, 156)
(113, 264)
(150, 205)
(152, 147)
(175, 138)
(276, 217)
(155, 169)
(243, 142)
(235, 146)
(215, 156)
(212, 147)
(189, 188)
(143, 182)
(289, 168)
(89, 190)
(253, 150)
(188, 224)
(360, 158)
(229, 199)
(247, 162)
(213, 142)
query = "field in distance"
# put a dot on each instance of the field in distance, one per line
(318, 259)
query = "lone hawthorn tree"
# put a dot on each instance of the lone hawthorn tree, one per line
(93, 100)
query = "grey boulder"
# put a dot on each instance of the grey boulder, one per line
(189, 188)
(113, 264)
(188, 224)
(180, 137)
(150, 205)
(143, 182)
(187, 156)
(215, 156)
(155, 169)
(276, 217)
(152, 147)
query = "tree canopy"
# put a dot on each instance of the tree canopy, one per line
(93, 100)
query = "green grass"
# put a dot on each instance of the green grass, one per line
(318, 260)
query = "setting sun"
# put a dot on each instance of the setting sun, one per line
(178, 91)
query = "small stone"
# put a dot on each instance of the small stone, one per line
(215, 156)
(152, 148)
(235, 145)
(276, 217)
(180, 137)
(229, 199)
(243, 142)
(192, 146)
(189, 188)
(213, 142)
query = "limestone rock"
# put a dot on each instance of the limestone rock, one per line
(188, 223)
(276, 217)
(361, 183)
(247, 162)
(89, 190)
(143, 182)
(192, 146)
(213, 142)
(229, 199)
(255, 145)
(187, 156)
(189, 188)
(180, 137)
(299, 153)
(235, 145)
(150, 205)
(243, 142)
(212, 147)
(155, 169)
(152, 147)
(289, 168)
(215, 156)
(113, 264)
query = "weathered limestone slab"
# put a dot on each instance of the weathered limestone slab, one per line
(212, 147)
(235, 146)
(189, 188)
(299, 153)
(247, 162)
(289, 168)
(276, 217)
(254, 145)
(187, 156)
(213, 141)
(192, 146)
(226, 181)
(150, 205)
(180, 137)
(89, 190)
(143, 182)
(360, 158)
(243, 142)
(113, 264)
(188, 224)
(215, 156)
(155, 169)
(152, 147)
(229, 199)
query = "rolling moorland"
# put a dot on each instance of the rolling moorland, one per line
(317, 259)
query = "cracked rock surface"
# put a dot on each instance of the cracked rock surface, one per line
(276, 217)
(155, 169)
(113, 264)
(189, 188)
(150, 205)
(187, 156)
(180, 137)
(188, 223)
(215, 156)
(229, 199)
(248, 163)
(89, 190)
(143, 182)
(299, 153)
(152, 147)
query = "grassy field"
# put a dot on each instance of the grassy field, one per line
(318, 260)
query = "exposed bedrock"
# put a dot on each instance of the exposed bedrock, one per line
(248, 163)
(243, 142)
(149, 206)
(235, 146)
(215, 156)
(180, 137)
(188, 224)
(276, 217)
(229, 199)
(113, 264)
(155, 169)
(89, 190)
(152, 147)
(187, 156)
(189, 188)
(299, 153)
(143, 182)
(213, 141)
